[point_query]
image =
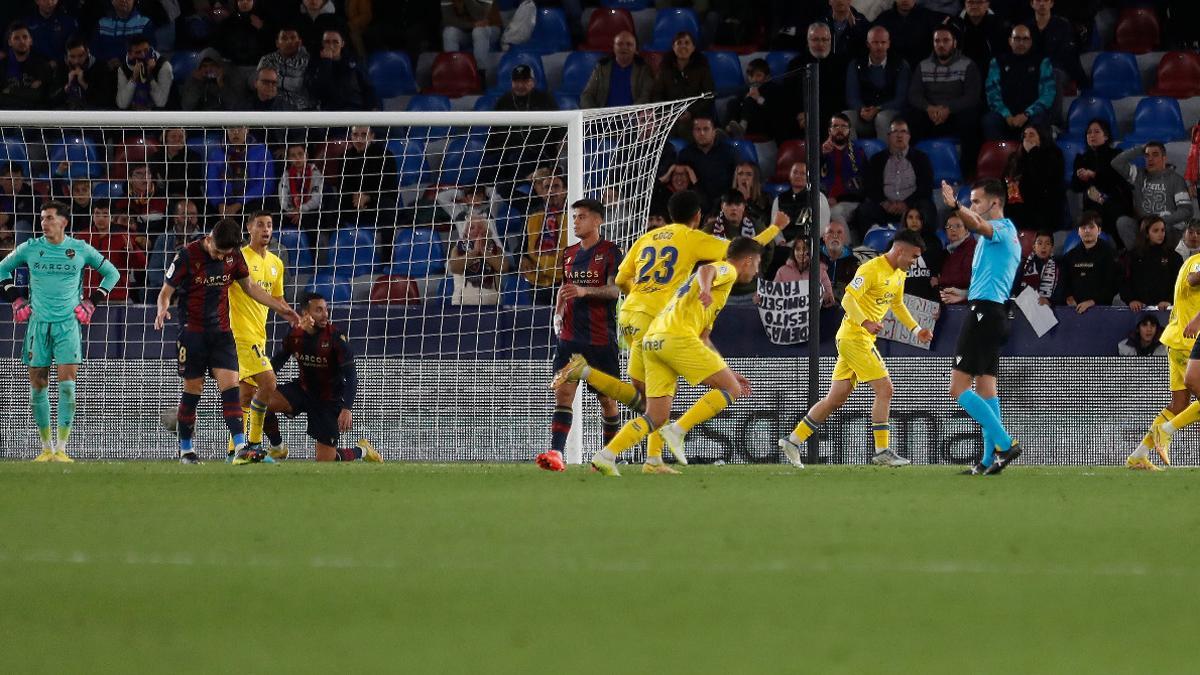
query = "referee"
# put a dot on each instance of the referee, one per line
(977, 355)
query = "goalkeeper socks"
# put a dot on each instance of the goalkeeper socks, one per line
(348, 454)
(615, 389)
(610, 426)
(805, 429)
(630, 435)
(39, 400)
(882, 432)
(186, 420)
(708, 407)
(258, 413)
(231, 410)
(985, 415)
(560, 426)
(271, 429)
(654, 448)
(1188, 417)
(66, 412)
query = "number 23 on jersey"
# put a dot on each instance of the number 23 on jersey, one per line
(657, 264)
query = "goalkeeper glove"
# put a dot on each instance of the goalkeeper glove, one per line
(21, 310)
(84, 312)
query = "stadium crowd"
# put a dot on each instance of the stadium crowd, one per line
(913, 92)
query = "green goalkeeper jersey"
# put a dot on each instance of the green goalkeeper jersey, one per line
(56, 274)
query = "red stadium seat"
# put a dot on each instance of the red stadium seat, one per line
(993, 158)
(328, 158)
(132, 149)
(1138, 30)
(455, 74)
(604, 25)
(1178, 75)
(654, 60)
(394, 289)
(790, 152)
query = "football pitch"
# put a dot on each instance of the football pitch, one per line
(156, 567)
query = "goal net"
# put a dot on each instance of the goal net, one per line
(435, 237)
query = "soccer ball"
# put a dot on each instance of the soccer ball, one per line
(170, 419)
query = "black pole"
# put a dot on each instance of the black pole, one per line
(812, 96)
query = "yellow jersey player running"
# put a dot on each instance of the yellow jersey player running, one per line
(1182, 368)
(256, 378)
(676, 344)
(658, 263)
(877, 287)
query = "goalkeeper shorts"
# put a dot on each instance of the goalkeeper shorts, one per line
(48, 342)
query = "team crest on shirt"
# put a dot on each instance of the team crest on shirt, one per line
(324, 345)
(229, 260)
(70, 253)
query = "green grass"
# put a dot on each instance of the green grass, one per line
(154, 567)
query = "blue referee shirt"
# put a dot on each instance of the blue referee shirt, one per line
(995, 264)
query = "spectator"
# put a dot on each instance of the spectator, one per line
(245, 36)
(956, 268)
(1089, 271)
(523, 93)
(1034, 177)
(472, 201)
(1157, 191)
(315, 18)
(264, 93)
(84, 84)
(749, 115)
(516, 151)
(300, 193)
(477, 261)
(911, 28)
(182, 169)
(539, 187)
(1104, 190)
(794, 202)
(369, 184)
(1020, 89)
(290, 60)
(837, 257)
(872, 8)
(207, 90)
(1039, 270)
(240, 173)
(712, 159)
(1189, 244)
(17, 213)
(922, 280)
(119, 247)
(185, 227)
(848, 28)
(144, 80)
(843, 165)
(748, 181)
(51, 27)
(478, 18)
(1144, 339)
(984, 35)
(28, 76)
(81, 202)
(1054, 39)
(683, 74)
(876, 86)
(733, 220)
(678, 177)
(944, 96)
(546, 237)
(338, 82)
(792, 118)
(114, 31)
(143, 205)
(897, 180)
(797, 269)
(1150, 268)
(621, 79)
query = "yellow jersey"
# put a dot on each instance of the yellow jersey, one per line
(1187, 306)
(661, 260)
(685, 316)
(876, 288)
(246, 316)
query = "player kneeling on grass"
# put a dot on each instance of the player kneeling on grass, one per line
(326, 388)
(877, 287)
(677, 344)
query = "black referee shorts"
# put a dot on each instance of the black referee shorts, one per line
(983, 335)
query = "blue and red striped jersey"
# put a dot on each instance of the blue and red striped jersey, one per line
(327, 370)
(589, 320)
(202, 285)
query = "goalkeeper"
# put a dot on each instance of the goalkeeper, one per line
(54, 312)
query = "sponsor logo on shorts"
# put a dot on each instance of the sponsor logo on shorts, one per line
(652, 345)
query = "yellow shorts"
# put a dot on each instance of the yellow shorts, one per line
(632, 326)
(1177, 361)
(670, 357)
(858, 361)
(252, 360)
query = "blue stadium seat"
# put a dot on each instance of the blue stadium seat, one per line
(444, 291)
(577, 69)
(1156, 118)
(678, 143)
(1073, 240)
(631, 5)
(418, 252)
(1070, 148)
(410, 161)
(486, 102)
(746, 151)
(334, 288)
(943, 155)
(108, 190)
(879, 239)
(512, 59)
(727, 72)
(461, 161)
(182, 65)
(566, 101)
(1087, 108)
(391, 73)
(550, 33)
(871, 146)
(516, 290)
(81, 156)
(13, 149)
(428, 103)
(775, 189)
(353, 253)
(668, 22)
(300, 256)
(778, 61)
(1116, 75)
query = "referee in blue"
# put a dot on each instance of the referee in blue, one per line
(977, 355)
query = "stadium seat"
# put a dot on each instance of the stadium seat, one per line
(81, 156)
(1116, 75)
(391, 73)
(393, 289)
(628, 5)
(334, 288)
(790, 152)
(778, 61)
(668, 22)
(678, 143)
(13, 150)
(410, 161)
(1087, 108)
(1178, 75)
(461, 162)
(328, 157)
(1157, 118)
(455, 74)
(566, 101)
(418, 253)
(879, 239)
(512, 59)
(550, 33)
(296, 243)
(486, 102)
(775, 189)
(353, 253)
(428, 103)
(871, 146)
(108, 190)
(1026, 238)
(1138, 30)
(604, 25)
(182, 65)
(1073, 240)
(993, 158)
(943, 155)
(515, 290)
(726, 72)
(1070, 148)
(654, 60)
(577, 69)
(746, 151)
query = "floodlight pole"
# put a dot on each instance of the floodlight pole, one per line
(812, 97)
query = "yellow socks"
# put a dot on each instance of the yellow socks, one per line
(881, 431)
(1189, 416)
(1163, 416)
(631, 434)
(708, 407)
(258, 413)
(807, 427)
(615, 389)
(654, 447)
